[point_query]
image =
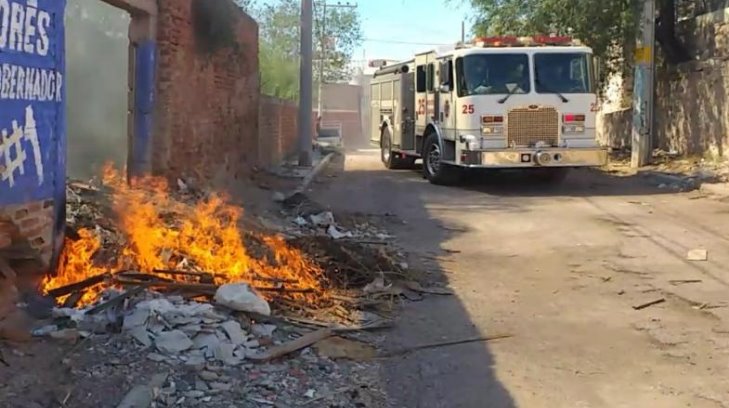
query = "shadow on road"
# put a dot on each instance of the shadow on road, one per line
(579, 183)
(447, 377)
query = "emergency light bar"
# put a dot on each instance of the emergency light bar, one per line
(513, 41)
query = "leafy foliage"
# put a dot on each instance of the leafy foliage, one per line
(339, 31)
(606, 26)
(279, 43)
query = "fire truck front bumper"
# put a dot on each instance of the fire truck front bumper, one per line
(525, 158)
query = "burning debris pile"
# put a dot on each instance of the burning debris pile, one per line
(183, 250)
(181, 241)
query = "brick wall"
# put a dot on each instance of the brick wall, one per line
(277, 127)
(206, 122)
(28, 225)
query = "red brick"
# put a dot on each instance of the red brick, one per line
(29, 222)
(22, 213)
(34, 232)
(5, 240)
(206, 121)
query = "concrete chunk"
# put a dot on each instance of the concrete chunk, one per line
(173, 342)
(240, 297)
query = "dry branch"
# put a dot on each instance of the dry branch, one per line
(75, 287)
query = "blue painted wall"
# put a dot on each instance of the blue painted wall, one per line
(144, 84)
(32, 117)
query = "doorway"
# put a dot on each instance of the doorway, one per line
(97, 87)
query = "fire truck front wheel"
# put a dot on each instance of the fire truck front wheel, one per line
(393, 160)
(434, 169)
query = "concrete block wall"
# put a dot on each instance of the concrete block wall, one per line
(206, 116)
(691, 99)
(614, 129)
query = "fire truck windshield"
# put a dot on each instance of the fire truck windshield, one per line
(493, 74)
(563, 73)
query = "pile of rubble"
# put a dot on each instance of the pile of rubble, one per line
(214, 336)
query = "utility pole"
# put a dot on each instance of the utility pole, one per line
(643, 89)
(305, 86)
(463, 32)
(323, 50)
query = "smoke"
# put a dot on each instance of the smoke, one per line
(96, 86)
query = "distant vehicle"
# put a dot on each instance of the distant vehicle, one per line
(497, 103)
(330, 135)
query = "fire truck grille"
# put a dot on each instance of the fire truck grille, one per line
(526, 127)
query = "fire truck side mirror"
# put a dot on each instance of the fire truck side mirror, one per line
(596, 68)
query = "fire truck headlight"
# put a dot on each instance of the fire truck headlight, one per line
(471, 142)
(492, 130)
(573, 129)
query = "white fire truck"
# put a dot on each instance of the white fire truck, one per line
(499, 102)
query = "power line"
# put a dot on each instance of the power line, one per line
(380, 40)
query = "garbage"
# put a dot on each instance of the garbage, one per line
(324, 219)
(697, 255)
(336, 234)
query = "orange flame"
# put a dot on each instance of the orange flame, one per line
(161, 231)
(76, 264)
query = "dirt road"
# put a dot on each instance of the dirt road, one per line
(560, 269)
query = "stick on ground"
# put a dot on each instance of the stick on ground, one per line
(407, 350)
(302, 342)
(649, 304)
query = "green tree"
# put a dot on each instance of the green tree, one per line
(340, 32)
(609, 27)
(606, 26)
(279, 48)
(279, 43)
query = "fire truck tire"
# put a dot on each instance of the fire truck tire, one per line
(389, 158)
(433, 169)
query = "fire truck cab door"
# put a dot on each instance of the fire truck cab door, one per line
(425, 95)
(446, 110)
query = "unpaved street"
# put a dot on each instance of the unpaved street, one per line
(560, 269)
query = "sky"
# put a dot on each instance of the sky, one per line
(397, 29)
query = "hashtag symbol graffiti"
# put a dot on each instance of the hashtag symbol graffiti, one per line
(13, 153)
